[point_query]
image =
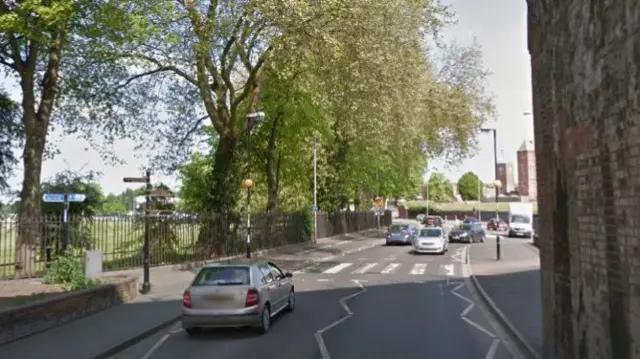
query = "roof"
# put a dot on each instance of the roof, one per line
(236, 262)
(526, 146)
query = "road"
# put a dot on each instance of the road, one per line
(376, 302)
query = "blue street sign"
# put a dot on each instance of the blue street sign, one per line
(77, 197)
(315, 208)
(53, 197)
(379, 211)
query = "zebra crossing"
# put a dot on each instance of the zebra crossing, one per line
(421, 268)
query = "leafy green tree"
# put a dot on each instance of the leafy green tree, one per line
(469, 187)
(11, 137)
(115, 204)
(440, 189)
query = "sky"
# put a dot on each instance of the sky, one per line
(499, 26)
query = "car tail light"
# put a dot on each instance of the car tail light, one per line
(186, 299)
(252, 298)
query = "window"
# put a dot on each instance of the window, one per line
(277, 273)
(431, 232)
(396, 228)
(222, 276)
(266, 272)
(520, 219)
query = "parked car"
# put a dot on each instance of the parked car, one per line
(401, 234)
(496, 224)
(420, 217)
(237, 295)
(433, 221)
(431, 240)
(467, 232)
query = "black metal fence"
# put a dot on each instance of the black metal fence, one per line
(333, 224)
(173, 239)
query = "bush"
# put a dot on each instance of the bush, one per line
(308, 225)
(68, 273)
(413, 212)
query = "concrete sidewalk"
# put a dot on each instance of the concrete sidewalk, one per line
(104, 334)
(511, 287)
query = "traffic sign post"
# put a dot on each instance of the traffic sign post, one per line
(146, 283)
(65, 199)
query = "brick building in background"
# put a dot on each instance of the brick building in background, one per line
(506, 177)
(585, 63)
(527, 179)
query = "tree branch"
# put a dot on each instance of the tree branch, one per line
(252, 77)
(159, 64)
(143, 74)
(193, 129)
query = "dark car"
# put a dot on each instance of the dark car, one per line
(433, 221)
(401, 234)
(467, 232)
(497, 225)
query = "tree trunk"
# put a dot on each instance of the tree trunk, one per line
(30, 211)
(225, 190)
(273, 169)
(218, 227)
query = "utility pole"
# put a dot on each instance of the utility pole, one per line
(315, 189)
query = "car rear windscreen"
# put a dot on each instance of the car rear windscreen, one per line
(222, 276)
(430, 232)
(399, 228)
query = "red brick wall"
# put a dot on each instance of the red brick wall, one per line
(585, 56)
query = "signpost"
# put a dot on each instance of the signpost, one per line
(160, 193)
(146, 284)
(66, 199)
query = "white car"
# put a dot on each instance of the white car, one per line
(431, 240)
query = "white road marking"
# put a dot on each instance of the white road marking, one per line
(493, 349)
(325, 280)
(366, 268)
(176, 329)
(390, 268)
(449, 270)
(343, 302)
(478, 326)
(418, 269)
(338, 268)
(464, 313)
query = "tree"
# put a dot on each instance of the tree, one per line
(440, 189)
(470, 187)
(114, 204)
(11, 137)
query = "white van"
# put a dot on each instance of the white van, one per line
(521, 220)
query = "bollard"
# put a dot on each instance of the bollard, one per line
(498, 247)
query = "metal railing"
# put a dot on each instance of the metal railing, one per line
(173, 239)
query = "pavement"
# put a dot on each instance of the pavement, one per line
(373, 301)
(110, 331)
(511, 286)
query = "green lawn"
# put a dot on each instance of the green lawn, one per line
(466, 207)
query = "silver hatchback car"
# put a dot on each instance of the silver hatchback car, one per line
(238, 294)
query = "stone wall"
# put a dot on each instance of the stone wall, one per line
(38, 316)
(585, 56)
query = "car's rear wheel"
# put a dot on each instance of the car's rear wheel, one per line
(265, 320)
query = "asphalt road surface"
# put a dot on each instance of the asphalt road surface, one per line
(377, 302)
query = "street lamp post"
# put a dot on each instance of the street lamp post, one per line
(497, 184)
(252, 118)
